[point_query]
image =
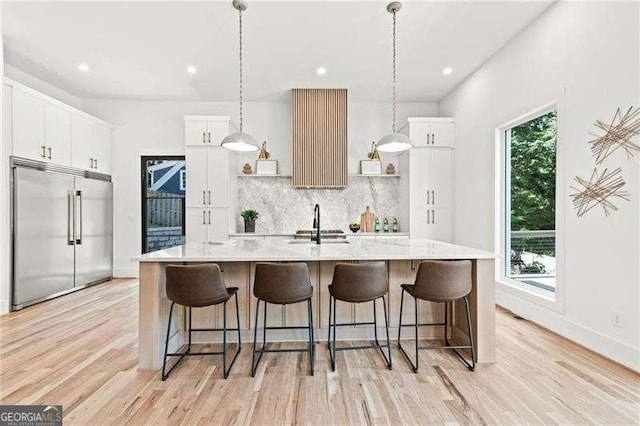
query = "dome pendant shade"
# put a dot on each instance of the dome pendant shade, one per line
(240, 141)
(394, 142)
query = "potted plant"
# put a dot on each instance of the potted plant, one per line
(249, 217)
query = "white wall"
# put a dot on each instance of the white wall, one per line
(586, 57)
(5, 253)
(149, 128)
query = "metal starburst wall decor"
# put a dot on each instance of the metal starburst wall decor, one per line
(617, 135)
(599, 191)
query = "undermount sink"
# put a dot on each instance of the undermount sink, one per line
(327, 241)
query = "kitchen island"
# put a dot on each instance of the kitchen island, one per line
(237, 258)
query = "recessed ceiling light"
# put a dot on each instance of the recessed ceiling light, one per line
(321, 71)
(83, 67)
(447, 71)
(191, 69)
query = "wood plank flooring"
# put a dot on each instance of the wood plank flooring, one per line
(80, 351)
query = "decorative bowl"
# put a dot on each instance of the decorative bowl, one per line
(355, 227)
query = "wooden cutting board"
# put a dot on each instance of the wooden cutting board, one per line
(367, 221)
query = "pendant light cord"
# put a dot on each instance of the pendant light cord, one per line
(240, 60)
(393, 128)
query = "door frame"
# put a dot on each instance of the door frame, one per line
(143, 193)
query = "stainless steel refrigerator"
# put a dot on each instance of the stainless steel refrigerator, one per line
(62, 230)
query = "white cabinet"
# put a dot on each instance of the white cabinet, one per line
(427, 182)
(432, 131)
(210, 180)
(45, 129)
(58, 134)
(91, 144)
(208, 174)
(205, 130)
(28, 125)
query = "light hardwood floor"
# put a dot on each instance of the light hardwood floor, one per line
(80, 351)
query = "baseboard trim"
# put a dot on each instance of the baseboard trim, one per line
(4, 306)
(614, 350)
(125, 273)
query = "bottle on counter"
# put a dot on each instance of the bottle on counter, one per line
(396, 225)
(376, 227)
(385, 225)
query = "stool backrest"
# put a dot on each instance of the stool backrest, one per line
(195, 285)
(360, 282)
(282, 282)
(443, 280)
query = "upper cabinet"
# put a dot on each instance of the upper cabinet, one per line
(91, 144)
(44, 129)
(432, 131)
(205, 130)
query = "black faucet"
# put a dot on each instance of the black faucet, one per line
(316, 222)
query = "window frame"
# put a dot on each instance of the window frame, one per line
(183, 180)
(554, 301)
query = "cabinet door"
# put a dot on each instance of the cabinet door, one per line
(218, 222)
(218, 181)
(58, 134)
(442, 133)
(81, 142)
(196, 176)
(420, 133)
(440, 177)
(102, 147)
(196, 133)
(440, 226)
(196, 225)
(28, 126)
(216, 131)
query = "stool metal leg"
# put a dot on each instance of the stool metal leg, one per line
(226, 369)
(414, 367)
(386, 326)
(255, 339)
(311, 342)
(166, 345)
(332, 324)
(189, 345)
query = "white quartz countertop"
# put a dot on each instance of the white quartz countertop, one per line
(346, 234)
(268, 250)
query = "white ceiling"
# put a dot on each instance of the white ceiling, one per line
(140, 50)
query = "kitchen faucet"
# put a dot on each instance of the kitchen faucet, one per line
(316, 222)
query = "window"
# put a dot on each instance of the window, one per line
(183, 180)
(530, 203)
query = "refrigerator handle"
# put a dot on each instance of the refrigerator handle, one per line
(71, 221)
(79, 216)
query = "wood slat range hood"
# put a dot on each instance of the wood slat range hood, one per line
(319, 134)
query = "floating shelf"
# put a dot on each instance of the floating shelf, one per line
(253, 175)
(376, 176)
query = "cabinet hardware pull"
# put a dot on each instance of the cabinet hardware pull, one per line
(204, 136)
(204, 200)
(209, 137)
(43, 148)
(433, 216)
(95, 161)
(428, 220)
(433, 196)
(428, 200)
(204, 217)
(91, 163)
(209, 217)
(433, 138)
(49, 149)
(209, 197)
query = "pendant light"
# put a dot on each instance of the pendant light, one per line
(394, 142)
(240, 141)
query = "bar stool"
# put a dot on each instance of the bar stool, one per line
(440, 281)
(282, 284)
(358, 283)
(197, 286)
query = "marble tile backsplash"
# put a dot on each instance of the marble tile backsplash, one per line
(284, 209)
